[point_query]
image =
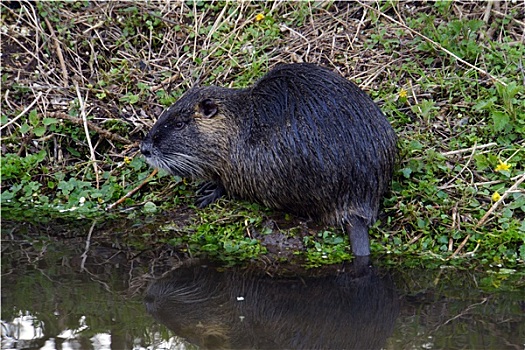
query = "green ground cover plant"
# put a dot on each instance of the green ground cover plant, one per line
(82, 82)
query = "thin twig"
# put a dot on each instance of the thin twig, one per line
(88, 244)
(295, 32)
(216, 24)
(463, 313)
(460, 247)
(165, 82)
(65, 75)
(469, 149)
(23, 112)
(130, 193)
(415, 239)
(86, 130)
(486, 16)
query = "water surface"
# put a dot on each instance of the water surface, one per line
(75, 287)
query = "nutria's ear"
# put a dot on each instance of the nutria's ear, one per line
(207, 108)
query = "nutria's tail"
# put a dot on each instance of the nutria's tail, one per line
(357, 230)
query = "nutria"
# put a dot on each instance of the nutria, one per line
(302, 139)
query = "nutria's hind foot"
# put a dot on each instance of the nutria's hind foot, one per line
(357, 230)
(209, 192)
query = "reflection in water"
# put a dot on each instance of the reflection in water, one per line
(240, 309)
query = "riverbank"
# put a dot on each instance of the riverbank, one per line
(83, 82)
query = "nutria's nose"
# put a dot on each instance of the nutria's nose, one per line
(145, 147)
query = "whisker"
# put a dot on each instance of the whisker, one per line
(180, 164)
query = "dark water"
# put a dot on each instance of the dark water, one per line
(77, 291)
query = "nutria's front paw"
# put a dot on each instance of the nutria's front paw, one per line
(209, 193)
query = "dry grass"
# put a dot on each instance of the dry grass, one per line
(50, 63)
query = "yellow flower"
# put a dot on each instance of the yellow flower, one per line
(127, 160)
(502, 166)
(496, 196)
(259, 17)
(403, 93)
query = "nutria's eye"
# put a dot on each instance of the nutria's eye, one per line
(178, 125)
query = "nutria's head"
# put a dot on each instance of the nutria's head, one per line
(192, 137)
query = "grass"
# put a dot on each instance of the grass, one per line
(83, 82)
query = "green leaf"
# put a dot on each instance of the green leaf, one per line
(39, 130)
(33, 118)
(40, 156)
(137, 163)
(150, 207)
(406, 172)
(130, 98)
(501, 120)
(49, 121)
(73, 151)
(24, 128)
(485, 104)
(416, 145)
(101, 95)
(143, 86)
(421, 223)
